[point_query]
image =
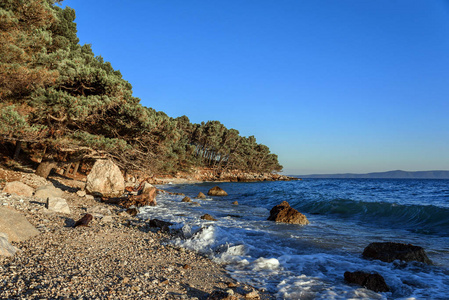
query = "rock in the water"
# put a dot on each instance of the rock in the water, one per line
(286, 214)
(15, 225)
(374, 282)
(105, 179)
(147, 188)
(201, 196)
(235, 203)
(140, 200)
(217, 191)
(208, 217)
(186, 199)
(47, 191)
(6, 249)
(57, 205)
(18, 188)
(84, 221)
(163, 225)
(389, 252)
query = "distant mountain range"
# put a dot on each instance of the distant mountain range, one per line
(387, 175)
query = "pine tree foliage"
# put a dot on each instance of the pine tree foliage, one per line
(58, 94)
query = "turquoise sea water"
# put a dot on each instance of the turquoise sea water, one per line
(308, 262)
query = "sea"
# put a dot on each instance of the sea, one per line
(309, 262)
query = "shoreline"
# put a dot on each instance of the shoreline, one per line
(116, 256)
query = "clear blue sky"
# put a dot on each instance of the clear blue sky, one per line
(330, 86)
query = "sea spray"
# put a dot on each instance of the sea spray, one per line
(308, 262)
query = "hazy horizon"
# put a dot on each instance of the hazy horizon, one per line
(330, 86)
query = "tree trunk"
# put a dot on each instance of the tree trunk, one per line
(67, 171)
(45, 168)
(43, 155)
(75, 169)
(17, 151)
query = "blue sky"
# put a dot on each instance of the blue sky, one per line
(330, 86)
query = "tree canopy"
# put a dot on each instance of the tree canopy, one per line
(59, 96)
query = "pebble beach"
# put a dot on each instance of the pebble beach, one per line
(117, 256)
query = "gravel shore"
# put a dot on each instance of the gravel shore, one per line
(116, 257)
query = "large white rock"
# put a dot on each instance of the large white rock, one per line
(57, 205)
(15, 225)
(18, 188)
(106, 179)
(48, 191)
(6, 249)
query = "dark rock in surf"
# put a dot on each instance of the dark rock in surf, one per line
(201, 196)
(286, 214)
(374, 282)
(163, 225)
(186, 199)
(217, 191)
(84, 221)
(208, 217)
(390, 252)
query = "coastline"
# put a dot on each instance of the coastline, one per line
(116, 256)
(208, 175)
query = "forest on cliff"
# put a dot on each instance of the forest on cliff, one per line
(62, 104)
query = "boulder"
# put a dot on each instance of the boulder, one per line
(374, 282)
(186, 199)
(147, 188)
(235, 203)
(15, 225)
(48, 191)
(390, 252)
(18, 188)
(286, 214)
(201, 196)
(57, 205)
(105, 179)
(217, 191)
(6, 249)
(208, 217)
(140, 200)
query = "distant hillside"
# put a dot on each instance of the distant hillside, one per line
(387, 175)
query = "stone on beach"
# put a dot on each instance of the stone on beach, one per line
(105, 179)
(390, 252)
(16, 226)
(57, 205)
(286, 214)
(6, 249)
(217, 191)
(18, 188)
(47, 191)
(84, 221)
(81, 193)
(374, 282)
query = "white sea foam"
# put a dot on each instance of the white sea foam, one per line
(295, 262)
